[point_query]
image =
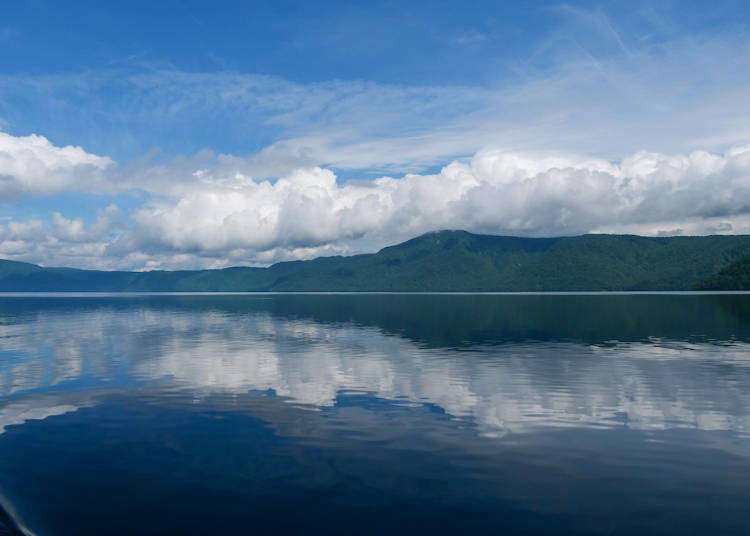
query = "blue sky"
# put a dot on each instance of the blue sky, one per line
(208, 133)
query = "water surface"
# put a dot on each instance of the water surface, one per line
(353, 414)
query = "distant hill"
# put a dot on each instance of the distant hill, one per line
(735, 276)
(442, 261)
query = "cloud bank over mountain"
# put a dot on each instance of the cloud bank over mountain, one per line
(205, 211)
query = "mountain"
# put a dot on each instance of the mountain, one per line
(439, 261)
(735, 276)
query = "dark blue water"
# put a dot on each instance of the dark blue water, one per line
(375, 414)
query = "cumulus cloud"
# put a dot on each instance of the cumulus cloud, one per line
(63, 241)
(207, 211)
(32, 164)
(496, 191)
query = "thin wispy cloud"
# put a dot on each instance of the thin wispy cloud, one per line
(470, 36)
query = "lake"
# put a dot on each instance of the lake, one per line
(375, 414)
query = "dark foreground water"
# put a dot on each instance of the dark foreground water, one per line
(381, 414)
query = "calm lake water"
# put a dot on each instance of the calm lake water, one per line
(378, 414)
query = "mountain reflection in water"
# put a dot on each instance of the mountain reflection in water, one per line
(601, 414)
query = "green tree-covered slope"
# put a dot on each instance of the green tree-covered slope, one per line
(735, 276)
(441, 261)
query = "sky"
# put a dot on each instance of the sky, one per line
(181, 134)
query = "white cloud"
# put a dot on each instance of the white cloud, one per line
(32, 164)
(470, 37)
(63, 241)
(496, 191)
(221, 217)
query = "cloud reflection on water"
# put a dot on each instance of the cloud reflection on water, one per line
(53, 361)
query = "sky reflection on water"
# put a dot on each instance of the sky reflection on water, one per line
(472, 403)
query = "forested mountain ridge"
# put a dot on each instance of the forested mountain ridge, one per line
(439, 261)
(735, 276)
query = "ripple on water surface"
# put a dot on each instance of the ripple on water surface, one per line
(595, 414)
